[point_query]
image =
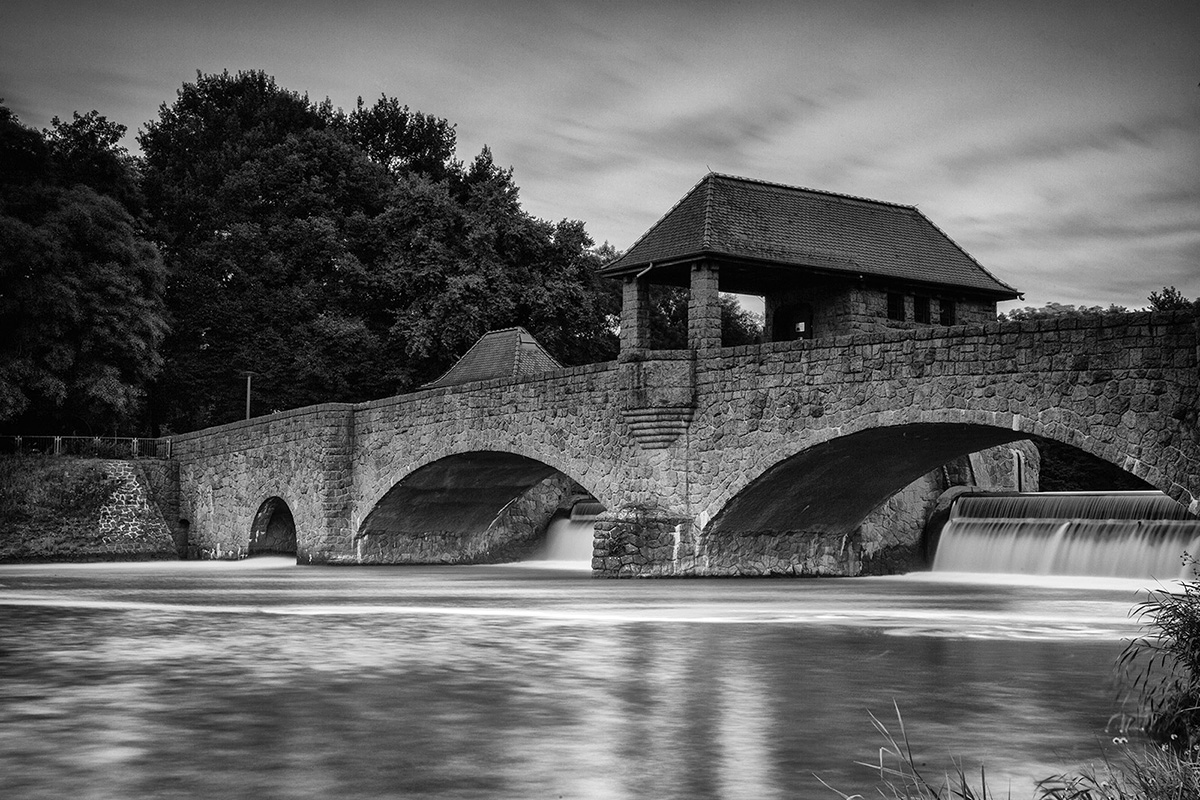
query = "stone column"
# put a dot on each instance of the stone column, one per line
(638, 542)
(635, 315)
(704, 308)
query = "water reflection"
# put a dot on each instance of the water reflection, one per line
(245, 681)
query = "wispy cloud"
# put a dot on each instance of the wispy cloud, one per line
(1055, 141)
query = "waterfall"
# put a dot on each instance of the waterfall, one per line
(569, 537)
(1117, 534)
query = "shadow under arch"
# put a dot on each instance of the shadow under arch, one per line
(273, 531)
(481, 506)
(832, 487)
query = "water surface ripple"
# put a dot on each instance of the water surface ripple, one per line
(262, 679)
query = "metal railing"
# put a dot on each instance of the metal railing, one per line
(89, 446)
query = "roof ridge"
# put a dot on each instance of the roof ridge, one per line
(823, 192)
(706, 237)
(474, 344)
(516, 353)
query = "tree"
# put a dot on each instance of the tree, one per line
(1056, 310)
(1171, 299)
(81, 290)
(343, 257)
(87, 150)
(264, 211)
(668, 320)
(402, 140)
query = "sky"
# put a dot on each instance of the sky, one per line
(1057, 142)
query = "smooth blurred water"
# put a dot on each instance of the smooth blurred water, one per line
(262, 679)
(1141, 535)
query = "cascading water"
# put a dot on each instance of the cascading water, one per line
(1117, 534)
(569, 537)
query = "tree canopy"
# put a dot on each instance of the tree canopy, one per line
(342, 256)
(1169, 299)
(81, 288)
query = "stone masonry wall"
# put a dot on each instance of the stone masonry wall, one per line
(131, 524)
(1123, 388)
(227, 472)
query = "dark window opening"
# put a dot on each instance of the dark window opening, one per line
(921, 310)
(946, 315)
(791, 322)
(895, 302)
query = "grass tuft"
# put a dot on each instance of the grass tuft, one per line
(901, 779)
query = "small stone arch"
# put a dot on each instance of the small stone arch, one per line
(273, 531)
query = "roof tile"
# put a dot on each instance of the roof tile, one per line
(734, 217)
(505, 353)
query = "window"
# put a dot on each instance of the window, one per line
(895, 302)
(921, 310)
(946, 315)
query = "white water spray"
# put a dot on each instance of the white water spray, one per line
(1120, 534)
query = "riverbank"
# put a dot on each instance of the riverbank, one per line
(55, 509)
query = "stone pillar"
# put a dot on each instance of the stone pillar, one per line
(635, 315)
(638, 542)
(704, 308)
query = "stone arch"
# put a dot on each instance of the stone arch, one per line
(831, 486)
(273, 530)
(478, 506)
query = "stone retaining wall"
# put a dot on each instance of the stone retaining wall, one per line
(60, 508)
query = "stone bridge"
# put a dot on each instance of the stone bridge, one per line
(763, 459)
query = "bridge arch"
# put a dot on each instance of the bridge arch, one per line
(273, 529)
(467, 507)
(831, 486)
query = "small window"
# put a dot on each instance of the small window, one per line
(895, 302)
(921, 310)
(946, 315)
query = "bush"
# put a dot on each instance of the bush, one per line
(1163, 666)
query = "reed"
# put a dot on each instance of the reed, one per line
(901, 779)
(1142, 773)
(1162, 666)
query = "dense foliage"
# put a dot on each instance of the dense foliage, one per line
(81, 288)
(343, 256)
(1169, 299)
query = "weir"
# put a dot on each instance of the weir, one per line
(1117, 534)
(568, 537)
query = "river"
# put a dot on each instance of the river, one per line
(268, 680)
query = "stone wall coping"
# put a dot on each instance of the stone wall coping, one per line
(492, 383)
(256, 422)
(953, 332)
(420, 394)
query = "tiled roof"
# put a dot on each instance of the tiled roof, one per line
(499, 354)
(739, 218)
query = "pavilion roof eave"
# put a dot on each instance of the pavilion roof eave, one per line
(844, 268)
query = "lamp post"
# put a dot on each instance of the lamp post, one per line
(248, 375)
